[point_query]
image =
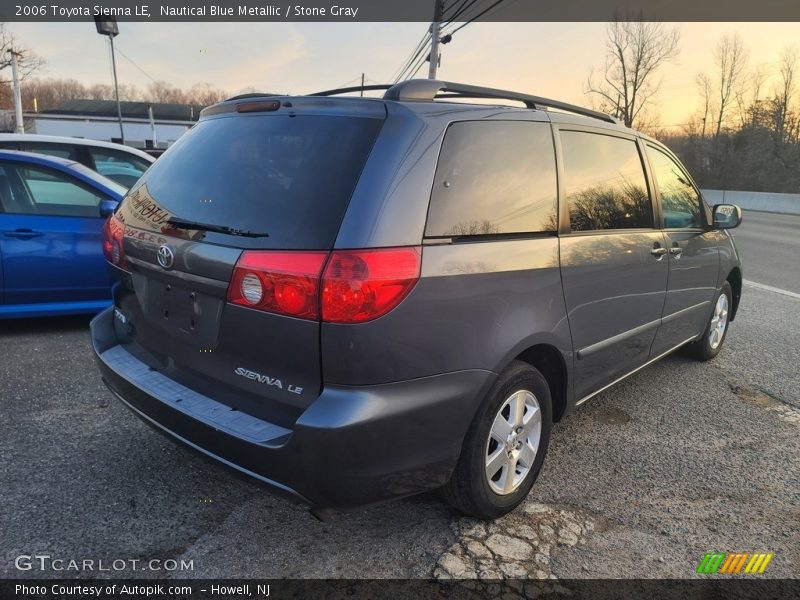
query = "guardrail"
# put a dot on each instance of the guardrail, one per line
(761, 201)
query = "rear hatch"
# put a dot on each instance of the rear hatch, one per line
(259, 182)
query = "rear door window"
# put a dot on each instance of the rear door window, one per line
(494, 177)
(288, 176)
(604, 182)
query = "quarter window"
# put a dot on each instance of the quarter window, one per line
(680, 201)
(604, 182)
(494, 177)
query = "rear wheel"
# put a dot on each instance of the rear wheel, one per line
(708, 345)
(505, 446)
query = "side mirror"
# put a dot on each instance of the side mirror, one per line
(726, 216)
(107, 207)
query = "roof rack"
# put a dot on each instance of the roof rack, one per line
(428, 90)
(358, 88)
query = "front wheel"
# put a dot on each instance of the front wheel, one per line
(708, 345)
(505, 446)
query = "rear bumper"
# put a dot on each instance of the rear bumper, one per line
(353, 446)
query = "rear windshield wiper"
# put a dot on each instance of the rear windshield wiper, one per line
(185, 224)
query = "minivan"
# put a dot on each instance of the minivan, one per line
(357, 299)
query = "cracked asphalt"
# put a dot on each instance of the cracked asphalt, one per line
(680, 459)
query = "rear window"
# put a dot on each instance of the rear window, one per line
(288, 176)
(494, 177)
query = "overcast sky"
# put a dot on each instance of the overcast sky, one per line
(547, 59)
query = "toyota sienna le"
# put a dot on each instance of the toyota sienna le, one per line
(355, 299)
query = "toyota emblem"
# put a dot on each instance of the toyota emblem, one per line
(166, 257)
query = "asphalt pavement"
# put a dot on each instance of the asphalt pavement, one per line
(680, 459)
(770, 247)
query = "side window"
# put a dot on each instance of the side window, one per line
(680, 201)
(40, 191)
(122, 167)
(59, 150)
(494, 177)
(604, 182)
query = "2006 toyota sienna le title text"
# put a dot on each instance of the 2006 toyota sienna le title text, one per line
(354, 299)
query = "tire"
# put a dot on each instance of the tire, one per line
(470, 489)
(707, 346)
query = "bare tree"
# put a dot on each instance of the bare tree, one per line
(731, 61)
(205, 94)
(786, 88)
(27, 61)
(42, 94)
(704, 86)
(162, 91)
(635, 50)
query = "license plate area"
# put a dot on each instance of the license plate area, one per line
(183, 312)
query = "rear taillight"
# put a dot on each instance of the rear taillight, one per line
(286, 283)
(356, 286)
(361, 285)
(113, 233)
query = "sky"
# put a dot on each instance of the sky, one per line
(545, 59)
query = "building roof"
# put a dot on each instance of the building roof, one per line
(134, 110)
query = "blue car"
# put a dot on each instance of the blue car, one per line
(52, 213)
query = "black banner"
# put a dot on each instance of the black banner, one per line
(399, 10)
(574, 589)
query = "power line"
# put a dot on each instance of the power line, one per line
(130, 60)
(476, 17)
(411, 58)
(421, 62)
(458, 12)
(347, 83)
(414, 63)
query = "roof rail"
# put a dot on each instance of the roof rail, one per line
(347, 90)
(430, 89)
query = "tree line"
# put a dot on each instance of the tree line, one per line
(745, 133)
(45, 94)
(48, 93)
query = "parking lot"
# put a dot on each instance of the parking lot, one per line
(681, 459)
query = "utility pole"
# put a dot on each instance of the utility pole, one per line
(362, 85)
(20, 126)
(116, 89)
(108, 26)
(436, 30)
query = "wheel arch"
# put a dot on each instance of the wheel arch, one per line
(734, 278)
(550, 362)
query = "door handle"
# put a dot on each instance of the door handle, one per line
(676, 251)
(658, 251)
(23, 234)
